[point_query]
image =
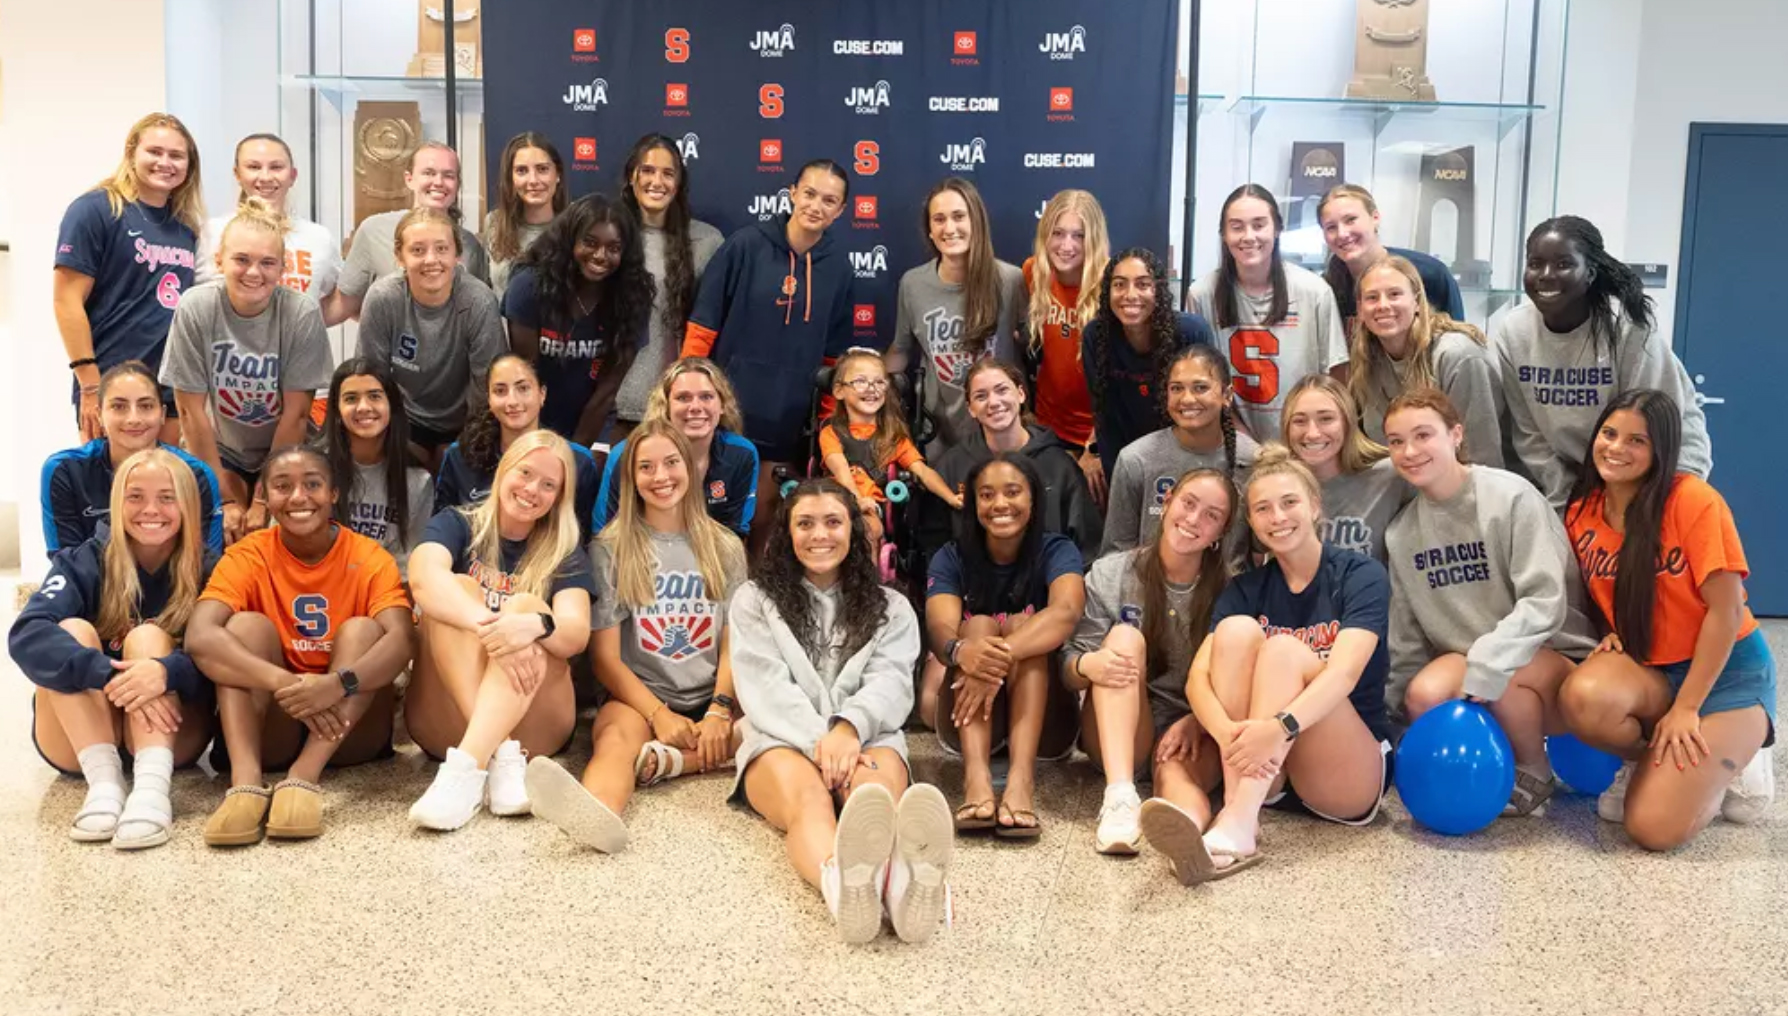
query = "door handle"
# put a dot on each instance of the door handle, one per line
(1705, 400)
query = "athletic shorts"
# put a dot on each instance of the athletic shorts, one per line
(204, 704)
(1748, 680)
(430, 438)
(695, 713)
(1288, 799)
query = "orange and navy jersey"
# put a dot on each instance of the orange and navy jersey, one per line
(1063, 403)
(1699, 537)
(307, 603)
(905, 455)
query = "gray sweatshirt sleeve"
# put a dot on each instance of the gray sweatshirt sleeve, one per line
(1536, 453)
(1101, 606)
(1647, 362)
(1123, 510)
(1410, 649)
(882, 703)
(1538, 550)
(773, 703)
(1471, 381)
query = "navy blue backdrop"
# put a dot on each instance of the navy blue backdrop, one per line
(1024, 99)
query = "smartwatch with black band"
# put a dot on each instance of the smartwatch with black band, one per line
(549, 625)
(1289, 724)
(350, 682)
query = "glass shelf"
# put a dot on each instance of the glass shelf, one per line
(337, 86)
(1382, 111)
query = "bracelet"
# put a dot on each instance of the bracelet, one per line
(653, 713)
(85, 361)
(89, 389)
(951, 648)
(1077, 671)
(722, 713)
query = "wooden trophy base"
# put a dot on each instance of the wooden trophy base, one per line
(1410, 87)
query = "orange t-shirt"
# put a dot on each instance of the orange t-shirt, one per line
(1064, 404)
(1699, 538)
(905, 454)
(307, 603)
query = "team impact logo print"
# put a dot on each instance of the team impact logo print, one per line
(247, 385)
(681, 621)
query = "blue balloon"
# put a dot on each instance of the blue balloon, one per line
(1588, 770)
(1455, 769)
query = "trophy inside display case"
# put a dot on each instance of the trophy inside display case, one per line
(385, 133)
(1391, 51)
(430, 60)
(1445, 205)
(1315, 167)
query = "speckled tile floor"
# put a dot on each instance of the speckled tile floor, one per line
(703, 915)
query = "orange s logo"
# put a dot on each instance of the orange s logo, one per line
(869, 158)
(1256, 376)
(769, 101)
(676, 45)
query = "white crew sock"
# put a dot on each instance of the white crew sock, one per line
(104, 772)
(151, 801)
(1121, 792)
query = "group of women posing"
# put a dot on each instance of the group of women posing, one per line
(1266, 661)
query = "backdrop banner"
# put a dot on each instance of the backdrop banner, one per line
(1023, 99)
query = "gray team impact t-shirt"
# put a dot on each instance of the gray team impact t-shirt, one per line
(673, 644)
(244, 364)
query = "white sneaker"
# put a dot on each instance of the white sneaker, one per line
(1751, 794)
(918, 872)
(852, 880)
(1119, 828)
(506, 792)
(564, 802)
(454, 797)
(1612, 804)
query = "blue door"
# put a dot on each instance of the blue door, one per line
(1731, 335)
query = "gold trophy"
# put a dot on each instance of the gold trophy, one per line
(1391, 51)
(385, 133)
(430, 60)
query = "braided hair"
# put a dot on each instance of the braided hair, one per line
(1162, 324)
(1611, 281)
(1213, 362)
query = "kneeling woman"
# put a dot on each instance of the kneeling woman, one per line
(1684, 687)
(1485, 598)
(663, 572)
(999, 602)
(504, 590)
(100, 639)
(1147, 611)
(1290, 685)
(309, 617)
(824, 656)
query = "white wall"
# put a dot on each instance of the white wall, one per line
(78, 74)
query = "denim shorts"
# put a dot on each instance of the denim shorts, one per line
(1748, 680)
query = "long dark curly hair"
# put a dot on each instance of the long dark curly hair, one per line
(1106, 328)
(779, 574)
(625, 301)
(984, 592)
(679, 260)
(335, 444)
(481, 439)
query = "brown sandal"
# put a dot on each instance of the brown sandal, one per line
(969, 822)
(1016, 830)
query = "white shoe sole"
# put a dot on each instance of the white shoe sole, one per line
(561, 800)
(925, 839)
(865, 840)
(422, 816)
(1174, 833)
(513, 808)
(1118, 847)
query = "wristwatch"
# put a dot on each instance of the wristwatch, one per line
(1289, 724)
(950, 650)
(350, 682)
(547, 622)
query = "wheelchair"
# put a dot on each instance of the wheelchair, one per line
(901, 557)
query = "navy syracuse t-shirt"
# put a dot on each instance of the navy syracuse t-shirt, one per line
(1132, 403)
(452, 530)
(1059, 556)
(140, 263)
(1350, 590)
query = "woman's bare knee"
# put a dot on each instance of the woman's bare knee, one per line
(1238, 633)
(83, 632)
(1656, 826)
(1426, 691)
(147, 641)
(1126, 640)
(978, 627)
(257, 632)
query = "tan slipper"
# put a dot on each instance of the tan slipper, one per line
(297, 812)
(237, 822)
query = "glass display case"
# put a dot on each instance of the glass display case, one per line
(1448, 113)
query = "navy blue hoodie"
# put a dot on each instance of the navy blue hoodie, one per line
(458, 484)
(770, 317)
(76, 493)
(51, 657)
